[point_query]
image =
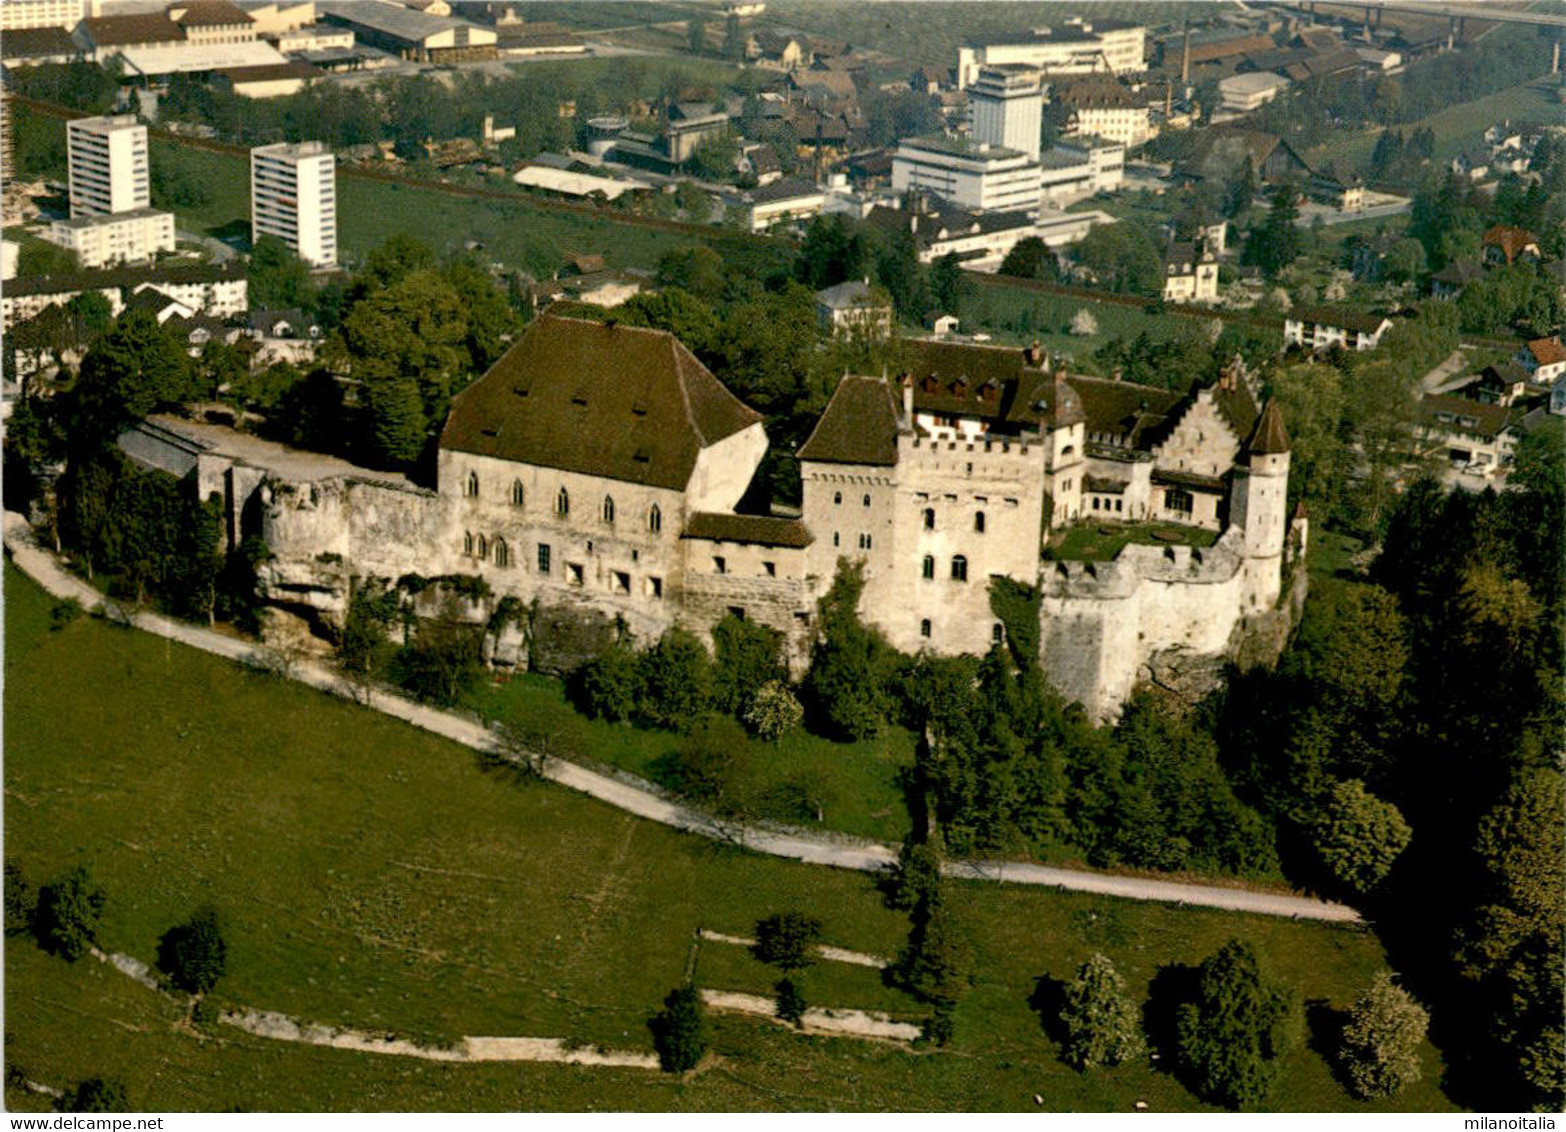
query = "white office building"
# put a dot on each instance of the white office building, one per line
(1007, 105)
(122, 237)
(293, 196)
(107, 161)
(1080, 167)
(969, 174)
(1075, 47)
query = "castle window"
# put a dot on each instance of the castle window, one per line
(608, 509)
(483, 547)
(655, 588)
(518, 496)
(928, 569)
(467, 543)
(1068, 450)
(997, 634)
(622, 582)
(575, 574)
(502, 553)
(1095, 503)
(719, 565)
(562, 502)
(978, 521)
(924, 628)
(543, 558)
(1119, 505)
(959, 569)
(835, 538)
(929, 518)
(837, 499)
(655, 519)
(470, 488)
(770, 569)
(867, 500)
(1178, 499)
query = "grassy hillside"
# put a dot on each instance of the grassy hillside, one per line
(374, 876)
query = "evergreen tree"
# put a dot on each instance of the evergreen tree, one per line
(679, 1030)
(746, 657)
(1277, 241)
(69, 910)
(787, 940)
(1233, 1036)
(194, 954)
(851, 666)
(675, 681)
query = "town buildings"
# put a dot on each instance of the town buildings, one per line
(110, 194)
(967, 173)
(123, 237)
(1190, 273)
(1007, 107)
(1313, 327)
(1075, 46)
(16, 15)
(293, 196)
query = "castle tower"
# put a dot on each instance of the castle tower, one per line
(1259, 506)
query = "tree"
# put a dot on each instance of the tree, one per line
(696, 36)
(679, 1030)
(1234, 1034)
(946, 281)
(790, 1001)
(1084, 324)
(675, 310)
(746, 656)
(848, 685)
(94, 1095)
(443, 662)
(1099, 1018)
(414, 329)
(787, 940)
(69, 910)
(934, 964)
(834, 250)
(676, 681)
(278, 278)
(397, 421)
(609, 685)
(1030, 258)
(136, 368)
(1312, 400)
(914, 882)
(697, 270)
(489, 320)
(1358, 836)
(1405, 262)
(1121, 257)
(1381, 1040)
(194, 955)
(733, 39)
(1276, 242)
(702, 768)
(773, 711)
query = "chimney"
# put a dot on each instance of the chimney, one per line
(1117, 375)
(1033, 355)
(1185, 59)
(907, 384)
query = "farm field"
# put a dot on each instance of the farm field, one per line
(374, 876)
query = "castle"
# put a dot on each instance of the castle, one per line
(595, 474)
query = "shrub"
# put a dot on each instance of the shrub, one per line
(851, 667)
(1380, 1051)
(915, 881)
(941, 1026)
(21, 902)
(773, 711)
(934, 964)
(94, 1095)
(790, 1002)
(1099, 1018)
(69, 910)
(194, 954)
(679, 1030)
(1233, 1036)
(63, 613)
(787, 940)
(702, 769)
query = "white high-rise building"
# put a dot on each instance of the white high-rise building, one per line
(967, 173)
(18, 14)
(107, 161)
(1007, 103)
(293, 195)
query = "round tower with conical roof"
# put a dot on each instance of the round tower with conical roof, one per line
(1259, 506)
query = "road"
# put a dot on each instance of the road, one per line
(838, 852)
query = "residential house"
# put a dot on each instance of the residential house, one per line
(1475, 439)
(1190, 273)
(1503, 384)
(1504, 245)
(781, 202)
(1449, 282)
(1543, 359)
(1319, 328)
(854, 308)
(1344, 192)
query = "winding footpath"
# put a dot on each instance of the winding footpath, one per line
(839, 852)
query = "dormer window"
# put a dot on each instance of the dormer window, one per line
(930, 384)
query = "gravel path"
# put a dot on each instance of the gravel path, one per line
(835, 851)
(832, 954)
(818, 1020)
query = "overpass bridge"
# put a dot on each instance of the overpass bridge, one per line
(1456, 14)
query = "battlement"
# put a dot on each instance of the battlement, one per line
(1105, 581)
(1191, 565)
(979, 459)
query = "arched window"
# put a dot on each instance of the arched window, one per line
(837, 499)
(467, 543)
(608, 509)
(655, 519)
(1068, 450)
(867, 499)
(928, 568)
(483, 547)
(929, 518)
(978, 521)
(470, 488)
(502, 553)
(563, 503)
(959, 569)
(518, 496)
